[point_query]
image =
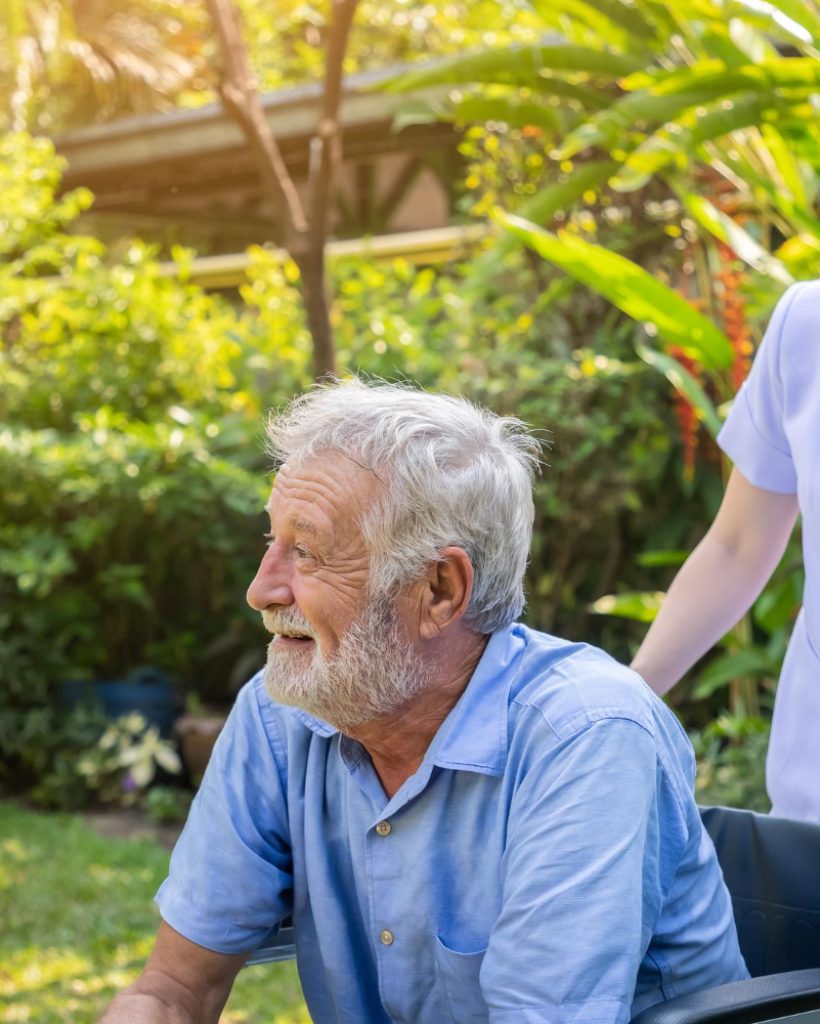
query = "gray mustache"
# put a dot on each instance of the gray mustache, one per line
(286, 621)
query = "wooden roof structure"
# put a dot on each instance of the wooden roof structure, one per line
(189, 177)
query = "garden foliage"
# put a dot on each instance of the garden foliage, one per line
(129, 461)
(131, 450)
(696, 118)
(132, 403)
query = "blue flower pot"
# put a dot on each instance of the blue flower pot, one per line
(148, 691)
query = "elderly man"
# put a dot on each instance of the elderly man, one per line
(468, 820)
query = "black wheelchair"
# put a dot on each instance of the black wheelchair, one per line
(772, 869)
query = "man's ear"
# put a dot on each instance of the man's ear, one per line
(449, 586)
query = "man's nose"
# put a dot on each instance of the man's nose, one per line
(270, 585)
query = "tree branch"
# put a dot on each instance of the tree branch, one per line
(239, 93)
(326, 145)
(306, 231)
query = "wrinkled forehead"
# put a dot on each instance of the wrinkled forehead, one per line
(328, 493)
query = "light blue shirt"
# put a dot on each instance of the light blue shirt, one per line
(546, 863)
(772, 435)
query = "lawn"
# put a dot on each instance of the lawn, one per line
(77, 921)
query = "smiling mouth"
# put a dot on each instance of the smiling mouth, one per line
(292, 638)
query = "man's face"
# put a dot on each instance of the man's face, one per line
(338, 652)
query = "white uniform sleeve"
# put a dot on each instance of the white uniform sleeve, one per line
(754, 435)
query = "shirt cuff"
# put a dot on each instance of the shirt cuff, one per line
(758, 460)
(200, 926)
(593, 1011)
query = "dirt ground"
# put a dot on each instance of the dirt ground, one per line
(132, 824)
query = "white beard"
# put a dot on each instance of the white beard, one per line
(372, 674)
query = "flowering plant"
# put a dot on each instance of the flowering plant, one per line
(124, 761)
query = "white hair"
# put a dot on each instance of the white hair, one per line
(454, 475)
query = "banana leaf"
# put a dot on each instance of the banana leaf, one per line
(679, 142)
(515, 65)
(727, 667)
(722, 227)
(541, 209)
(684, 383)
(631, 288)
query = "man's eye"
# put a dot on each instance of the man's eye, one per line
(302, 552)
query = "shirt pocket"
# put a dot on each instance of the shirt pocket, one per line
(459, 978)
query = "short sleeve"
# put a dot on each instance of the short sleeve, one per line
(754, 435)
(230, 879)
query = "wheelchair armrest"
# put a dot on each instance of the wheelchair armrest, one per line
(741, 1002)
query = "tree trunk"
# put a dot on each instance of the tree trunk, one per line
(316, 297)
(305, 231)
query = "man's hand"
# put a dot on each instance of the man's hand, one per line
(182, 984)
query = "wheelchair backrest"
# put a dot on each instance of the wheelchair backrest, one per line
(772, 869)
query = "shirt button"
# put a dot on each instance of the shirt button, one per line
(384, 828)
(386, 938)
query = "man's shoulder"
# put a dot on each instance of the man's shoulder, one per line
(563, 689)
(572, 685)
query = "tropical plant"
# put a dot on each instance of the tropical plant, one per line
(709, 102)
(69, 62)
(702, 116)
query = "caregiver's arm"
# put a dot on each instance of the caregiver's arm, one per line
(719, 581)
(182, 983)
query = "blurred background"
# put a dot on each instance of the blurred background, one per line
(579, 212)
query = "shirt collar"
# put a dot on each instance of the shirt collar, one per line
(473, 736)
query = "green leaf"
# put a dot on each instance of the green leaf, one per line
(779, 603)
(679, 141)
(654, 559)
(168, 759)
(684, 383)
(713, 79)
(629, 17)
(512, 110)
(541, 209)
(657, 98)
(419, 112)
(789, 16)
(641, 110)
(803, 219)
(728, 667)
(721, 225)
(520, 65)
(549, 84)
(640, 606)
(787, 167)
(611, 20)
(631, 288)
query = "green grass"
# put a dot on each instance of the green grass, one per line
(77, 922)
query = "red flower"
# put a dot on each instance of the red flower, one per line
(687, 417)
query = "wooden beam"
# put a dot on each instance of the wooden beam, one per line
(438, 245)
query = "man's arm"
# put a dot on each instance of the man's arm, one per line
(182, 983)
(719, 581)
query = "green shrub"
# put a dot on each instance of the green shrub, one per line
(130, 462)
(132, 455)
